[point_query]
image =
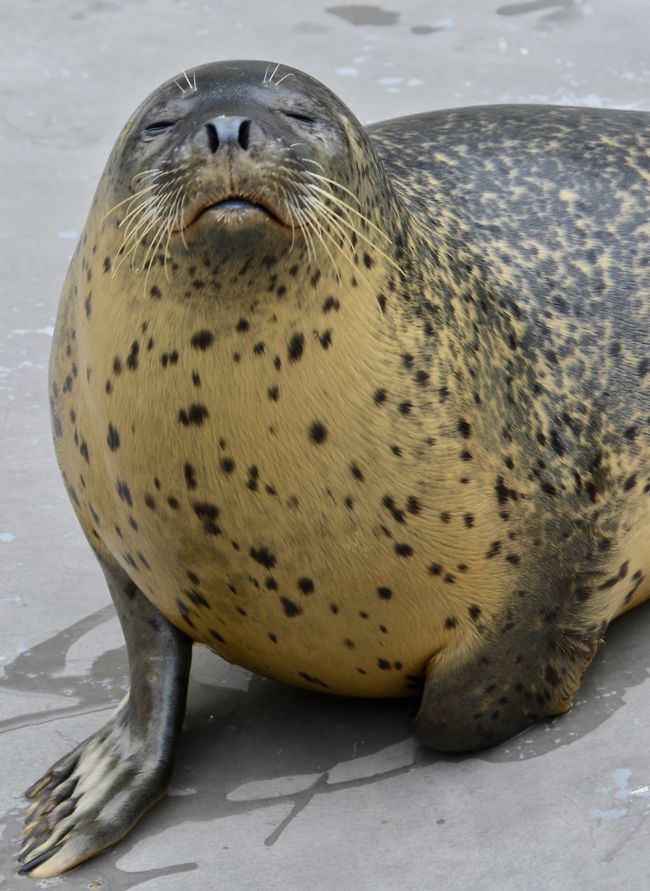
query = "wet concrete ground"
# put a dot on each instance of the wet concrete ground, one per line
(275, 787)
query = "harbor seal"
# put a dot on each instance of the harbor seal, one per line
(364, 410)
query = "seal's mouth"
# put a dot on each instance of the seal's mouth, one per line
(234, 209)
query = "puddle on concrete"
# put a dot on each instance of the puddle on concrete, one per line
(364, 14)
(38, 671)
(564, 11)
(250, 743)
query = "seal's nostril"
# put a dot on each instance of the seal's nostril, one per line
(213, 137)
(244, 134)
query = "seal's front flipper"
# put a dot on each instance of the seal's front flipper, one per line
(92, 797)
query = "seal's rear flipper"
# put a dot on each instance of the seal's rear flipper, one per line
(92, 797)
(517, 675)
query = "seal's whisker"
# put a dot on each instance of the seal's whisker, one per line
(134, 211)
(275, 70)
(313, 208)
(158, 195)
(156, 208)
(189, 82)
(311, 161)
(290, 74)
(348, 256)
(333, 182)
(343, 226)
(151, 172)
(283, 191)
(347, 209)
(344, 204)
(148, 221)
(180, 221)
(338, 219)
(125, 200)
(161, 218)
(318, 231)
(305, 231)
(144, 212)
(335, 224)
(170, 223)
(150, 256)
(266, 74)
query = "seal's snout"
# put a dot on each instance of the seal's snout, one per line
(228, 131)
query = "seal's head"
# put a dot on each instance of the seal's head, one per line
(241, 158)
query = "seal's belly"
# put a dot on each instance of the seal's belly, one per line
(264, 533)
(290, 587)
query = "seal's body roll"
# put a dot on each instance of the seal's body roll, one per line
(365, 411)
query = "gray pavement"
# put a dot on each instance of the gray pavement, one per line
(276, 788)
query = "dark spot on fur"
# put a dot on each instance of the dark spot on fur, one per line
(551, 676)
(291, 609)
(317, 432)
(296, 346)
(193, 416)
(413, 505)
(208, 514)
(629, 483)
(330, 303)
(190, 476)
(124, 492)
(264, 556)
(113, 438)
(202, 339)
(132, 358)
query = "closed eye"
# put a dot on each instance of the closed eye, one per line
(158, 127)
(297, 116)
